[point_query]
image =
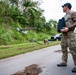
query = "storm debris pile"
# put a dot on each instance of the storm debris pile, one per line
(30, 70)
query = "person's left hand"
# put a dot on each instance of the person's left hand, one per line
(65, 29)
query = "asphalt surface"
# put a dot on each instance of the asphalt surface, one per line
(46, 58)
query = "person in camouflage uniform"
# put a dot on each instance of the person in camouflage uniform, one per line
(68, 36)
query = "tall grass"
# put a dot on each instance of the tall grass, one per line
(12, 50)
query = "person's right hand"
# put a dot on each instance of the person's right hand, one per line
(66, 29)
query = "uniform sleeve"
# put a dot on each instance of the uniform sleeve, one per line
(74, 20)
(73, 16)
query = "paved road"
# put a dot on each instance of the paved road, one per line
(46, 58)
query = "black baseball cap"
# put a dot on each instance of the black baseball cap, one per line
(67, 4)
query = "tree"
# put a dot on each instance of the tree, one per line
(14, 2)
(51, 26)
(31, 11)
(3, 10)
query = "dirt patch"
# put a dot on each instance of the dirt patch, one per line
(30, 70)
(60, 51)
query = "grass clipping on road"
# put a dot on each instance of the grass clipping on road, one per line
(12, 50)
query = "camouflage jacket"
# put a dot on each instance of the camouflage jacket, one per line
(70, 20)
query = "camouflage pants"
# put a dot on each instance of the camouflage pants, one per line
(68, 41)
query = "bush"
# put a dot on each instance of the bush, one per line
(36, 36)
(41, 36)
(9, 35)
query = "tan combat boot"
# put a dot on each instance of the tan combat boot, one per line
(62, 64)
(74, 70)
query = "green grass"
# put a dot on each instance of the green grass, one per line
(12, 50)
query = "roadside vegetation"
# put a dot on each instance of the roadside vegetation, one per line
(23, 20)
(12, 50)
(22, 26)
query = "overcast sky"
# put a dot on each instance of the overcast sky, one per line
(53, 9)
